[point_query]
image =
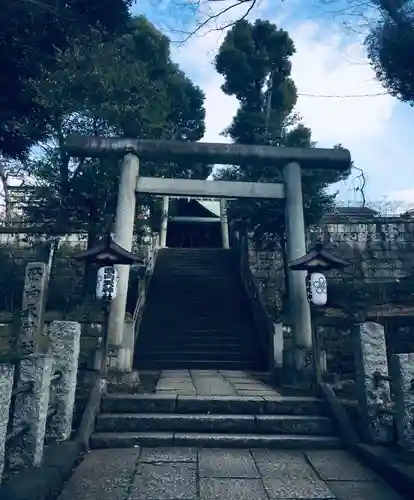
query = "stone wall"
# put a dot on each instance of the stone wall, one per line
(378, 248)
(382, 254)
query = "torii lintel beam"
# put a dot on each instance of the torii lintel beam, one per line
(209, 189)
(204, 152)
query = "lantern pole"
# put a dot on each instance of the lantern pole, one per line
(107, 254)
(106, 290)
(314, 314)
(316, 262)
(316, 344)
(105, 339)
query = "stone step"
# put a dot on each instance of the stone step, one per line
(216, 341)
(197, 293)
(198, 264)
(229, 405)
(242, 334)
(220, 350)
(247, 424)
(197, 270)
(102, 440)
(183, 334)
(217, 267)
(193, 310)
(190, 343)
(183, 279)
(195, 252)
(211, 274)
(208, 328)
(197, 296)
(226, 264)
(215, 325)
(202, 364)
(181, 354)
(188, 340)
(199, 314)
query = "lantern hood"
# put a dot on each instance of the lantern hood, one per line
(108, 253)
(318, 259)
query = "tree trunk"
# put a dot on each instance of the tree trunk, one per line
(6, 192)
(92, 241)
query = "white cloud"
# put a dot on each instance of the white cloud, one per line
(406, 195)
(197, 59)
(327, 64)
(219, 111)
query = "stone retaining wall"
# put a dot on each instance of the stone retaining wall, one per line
(381, 251)
(381, 248)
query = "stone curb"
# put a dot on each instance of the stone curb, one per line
(41, 483)
(387, 464)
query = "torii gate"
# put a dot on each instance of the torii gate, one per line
(290, 160)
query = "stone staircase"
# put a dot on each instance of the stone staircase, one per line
(277, 422)
(197, 315)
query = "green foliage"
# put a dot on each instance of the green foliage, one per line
(32, 35)
(390, 50)
(65, 283)
(66, 293)
(125, 86)
(249, 53)
(251, 56)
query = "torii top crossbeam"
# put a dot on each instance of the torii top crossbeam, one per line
(204, 152)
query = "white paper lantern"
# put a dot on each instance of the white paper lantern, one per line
(106, 283)
(318, 289)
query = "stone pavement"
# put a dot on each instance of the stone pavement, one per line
(211, 383)
(222, 474)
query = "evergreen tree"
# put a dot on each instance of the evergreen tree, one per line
(255, 62)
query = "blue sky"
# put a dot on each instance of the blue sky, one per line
(329, 61)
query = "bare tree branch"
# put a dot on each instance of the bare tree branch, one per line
(211, 17)
(358, 16)
(361, 189)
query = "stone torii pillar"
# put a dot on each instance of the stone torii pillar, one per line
(291, 160)
(299, 307)
(224, 224)
(124, 229)
(164, 221)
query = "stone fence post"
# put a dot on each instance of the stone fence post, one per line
(126, 352)
(402, 367)
(6, 387)
(373, 387)
(278, 345)
(31, 409)
(33, 305)
(64, 339)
